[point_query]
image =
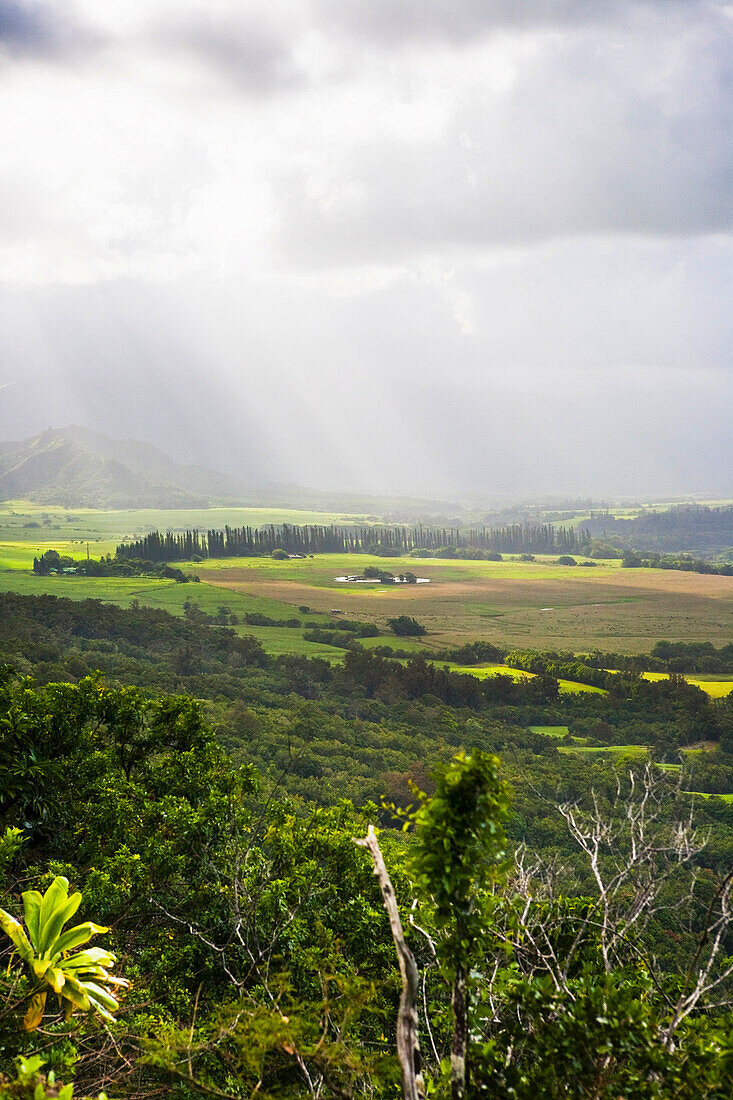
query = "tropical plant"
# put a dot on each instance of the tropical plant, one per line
(460, 845)
(80, 980)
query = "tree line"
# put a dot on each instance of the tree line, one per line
(633, 559)
(386, 540)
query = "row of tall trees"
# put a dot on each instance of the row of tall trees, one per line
(320, 539)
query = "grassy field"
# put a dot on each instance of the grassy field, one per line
(607, 752)
(717, 686)
(27, 529)
(171, 597)
(482, 671)
(525, 604)
(622, 753)
(537, 604)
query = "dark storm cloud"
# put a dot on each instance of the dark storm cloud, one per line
(42, 31)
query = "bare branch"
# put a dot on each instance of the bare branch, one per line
(408, 1044)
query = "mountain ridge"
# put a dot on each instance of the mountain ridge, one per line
(78, 467)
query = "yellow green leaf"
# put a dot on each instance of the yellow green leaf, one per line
(34, 1015)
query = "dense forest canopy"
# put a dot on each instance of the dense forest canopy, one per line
(695, 528)
(207, 829)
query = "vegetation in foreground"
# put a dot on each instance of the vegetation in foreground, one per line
(260, 959)
(196, 801)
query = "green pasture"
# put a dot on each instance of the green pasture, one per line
(322, 569)
(550, 731)
(168, 596)
(717, 686)
(705, 794)
(481, 672)
(535, 605)
(20, 554)
(716, 689)
(611, 752)
(110, 527)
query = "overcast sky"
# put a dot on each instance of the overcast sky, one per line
(419, 245)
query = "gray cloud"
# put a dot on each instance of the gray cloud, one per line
(425, 246)
(593, 137)
(391, 23)
(42, 31)
(244, 51)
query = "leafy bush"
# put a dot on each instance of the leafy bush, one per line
(405, 626)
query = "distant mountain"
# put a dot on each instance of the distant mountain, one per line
(80, 468)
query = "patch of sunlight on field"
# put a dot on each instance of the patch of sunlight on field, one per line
(481, 672)
(571, 687)
(633, 752)
(19, 555)
(718, 687)
(44, 525)
(550, 731)
(704, 794)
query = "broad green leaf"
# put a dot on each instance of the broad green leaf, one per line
(54, 901)
(74, 992)
(58, 917)
(76, 936)
(40, 966)
(100, 1008)
(92, 957)
(32, 901)
(99, 993)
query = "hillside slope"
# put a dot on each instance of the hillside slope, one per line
(685, 528)
(80, 468)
